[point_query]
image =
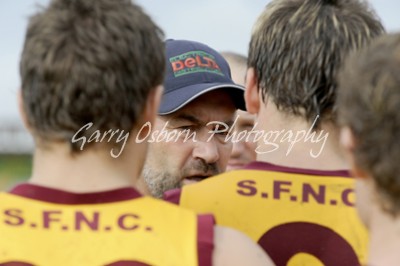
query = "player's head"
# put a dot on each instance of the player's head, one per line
(368, 104)
(243, 151)
(297, 46)
(89, 61)
(199, 95)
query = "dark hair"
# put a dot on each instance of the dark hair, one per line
(89, 61)
(369, 104)
(298, 45)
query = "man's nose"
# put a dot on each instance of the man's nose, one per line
(207, 151)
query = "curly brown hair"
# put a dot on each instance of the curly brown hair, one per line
(88, 61)
(297, 46)
(369, 104)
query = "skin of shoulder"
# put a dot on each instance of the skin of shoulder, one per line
(236, 249)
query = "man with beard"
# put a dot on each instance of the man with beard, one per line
(199, 100)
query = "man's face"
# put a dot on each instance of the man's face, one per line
(243, 152)
(193, 152)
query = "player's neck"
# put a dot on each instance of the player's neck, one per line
(92, 170)
(384, 239)
(295, 144)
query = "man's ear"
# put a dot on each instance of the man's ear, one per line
(251, 94)
(348, 142)
(21, 110)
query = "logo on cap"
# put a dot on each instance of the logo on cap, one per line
(194, 62)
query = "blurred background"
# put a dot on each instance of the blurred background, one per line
(224, 25)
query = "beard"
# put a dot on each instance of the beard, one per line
(159, 182)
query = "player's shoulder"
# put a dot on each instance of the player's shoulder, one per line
(3, 193)
(7, 196)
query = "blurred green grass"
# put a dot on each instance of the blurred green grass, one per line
(14, 169)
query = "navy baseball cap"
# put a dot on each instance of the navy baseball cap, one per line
(194, 69)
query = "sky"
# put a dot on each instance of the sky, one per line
(224, 25)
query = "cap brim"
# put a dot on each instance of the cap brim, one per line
(175, 100)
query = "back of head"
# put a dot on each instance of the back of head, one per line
(298, 45)
(369, 103)
(88, 61)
